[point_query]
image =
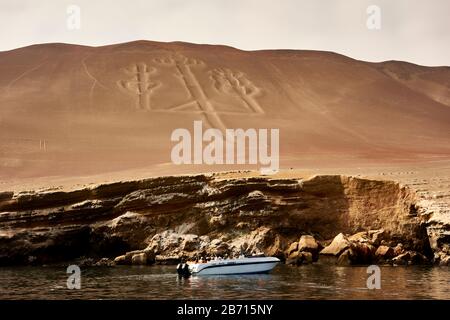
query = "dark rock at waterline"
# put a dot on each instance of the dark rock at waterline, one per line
(444, 261)
(346, 258)
(410, 258)
(357, 253)
(105, 262)
(309, 244)
(139, 259)
(304, 251)
(300, 258)
(384, 253)
(360, 249)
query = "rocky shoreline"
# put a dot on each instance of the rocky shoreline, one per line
(341, 219)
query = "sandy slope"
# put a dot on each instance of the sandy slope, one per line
(80, 114)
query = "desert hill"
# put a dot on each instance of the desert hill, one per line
(70, 110)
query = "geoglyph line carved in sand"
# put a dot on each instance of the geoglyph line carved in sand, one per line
(235, 83)
(197, 95)
(24, 74)
(140, 84)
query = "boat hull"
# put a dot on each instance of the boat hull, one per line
(237, 266)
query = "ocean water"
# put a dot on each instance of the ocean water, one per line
(284, 282)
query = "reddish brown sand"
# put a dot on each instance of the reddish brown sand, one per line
(74, 115)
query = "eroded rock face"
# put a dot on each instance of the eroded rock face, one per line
(171, 218)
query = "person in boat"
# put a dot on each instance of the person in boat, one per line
(186, 270)
(183, 268)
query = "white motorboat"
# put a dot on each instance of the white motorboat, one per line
(241, 265)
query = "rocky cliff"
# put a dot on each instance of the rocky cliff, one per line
(164, 219)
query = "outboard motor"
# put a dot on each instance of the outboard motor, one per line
(186, 271)
(180, 269)
(183, 270)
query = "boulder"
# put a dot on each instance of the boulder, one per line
(150, 255)
(410, 258)
(139, 259)
(307, 243)
(120, 260)
(293, 255)
(358, 253)
(384, 253)
(346, 258)
(398, 250)
(362, 253)
(401, 259)
(292, 248)
(297, 258)
(291, 261)
(130, 255)
(418, 258)
(339, 244)
(305, 257)
(136, 257)
(360, 237)
(377, 236)
(445, 261)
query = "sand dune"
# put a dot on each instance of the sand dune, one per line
(72, 111)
